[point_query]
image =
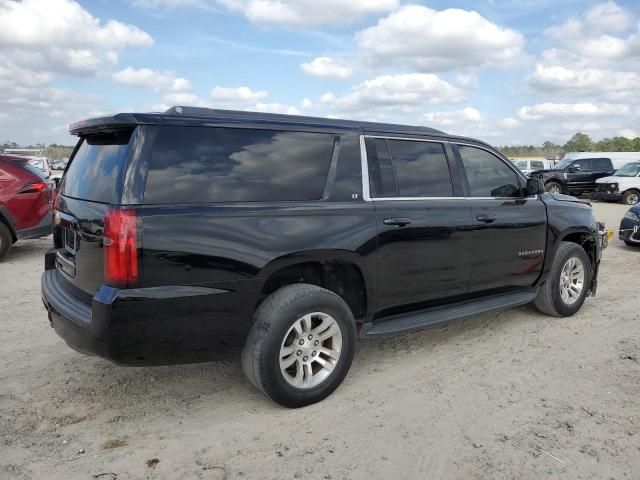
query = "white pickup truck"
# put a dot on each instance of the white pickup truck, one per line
(623, 185)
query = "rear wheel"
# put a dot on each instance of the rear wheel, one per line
(301, 345)
(5, 240)
(565, 290)
(553, 187)
(631, 197)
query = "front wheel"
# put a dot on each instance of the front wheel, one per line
(565, 290)
(631, 197)
(553, 187)
(300, 346)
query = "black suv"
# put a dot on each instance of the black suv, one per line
(574, 177)
(189, 232)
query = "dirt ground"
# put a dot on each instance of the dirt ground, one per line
(511, 395)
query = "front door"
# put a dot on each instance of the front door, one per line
(424, 224)
(580, 174)
(509, 227)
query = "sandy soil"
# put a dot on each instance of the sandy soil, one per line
(513, 395)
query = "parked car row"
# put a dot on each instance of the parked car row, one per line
(600, 177)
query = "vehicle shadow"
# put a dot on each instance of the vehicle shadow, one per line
(222, 383)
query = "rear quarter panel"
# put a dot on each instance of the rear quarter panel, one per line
(236, 247)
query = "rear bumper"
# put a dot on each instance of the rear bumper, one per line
(147, 326)
(607, 196)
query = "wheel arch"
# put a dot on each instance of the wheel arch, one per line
(342, 272)
(7, 219)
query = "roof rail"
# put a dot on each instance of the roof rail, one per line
(212, 112)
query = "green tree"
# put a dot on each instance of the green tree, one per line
(580, 142)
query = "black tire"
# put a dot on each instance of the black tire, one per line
(549, 300)
(551, 186)
(6, 240)
(631, 244)
(271, 322)
(630, 195)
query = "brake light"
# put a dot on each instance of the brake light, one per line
(121, 247)
(34, 187)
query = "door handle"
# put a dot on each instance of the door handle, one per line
(489, 218)
(400, 222)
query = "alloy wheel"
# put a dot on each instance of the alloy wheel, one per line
(572, 281)
(310, 350)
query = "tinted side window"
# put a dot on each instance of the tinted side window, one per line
(421, 168)
(602, 164)
(584, 164)
(205, 164)
(488, 176)
(97, 169)
(382, 178)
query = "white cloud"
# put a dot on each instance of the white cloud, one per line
(402, 93)
(42, 38)
(60, 35)
(584, 82)
(431, 40)
(293, 13)
(456, 118)
(550, 110)
(328, 67)
(509, 123)
(170, 4)
(237, 95)
(307, 12)
(273, 108)
(152, 79)
(593, 34)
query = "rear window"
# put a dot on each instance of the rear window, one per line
(209, 164)
(97, 169)
(601, 164)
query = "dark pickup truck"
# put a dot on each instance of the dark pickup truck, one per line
(574, 177)
(179, 236)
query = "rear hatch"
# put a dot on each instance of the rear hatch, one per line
(89, 192)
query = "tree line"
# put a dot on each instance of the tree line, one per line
(580, 142)
(52, 151)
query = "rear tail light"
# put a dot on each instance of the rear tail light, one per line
(34, 187)
(121, 248)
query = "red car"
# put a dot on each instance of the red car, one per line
(26, 198)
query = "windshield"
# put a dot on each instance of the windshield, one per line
(629, 170)
(563, 164)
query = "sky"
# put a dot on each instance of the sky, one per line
(507, 72)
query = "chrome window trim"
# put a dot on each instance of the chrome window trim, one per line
(366, 192)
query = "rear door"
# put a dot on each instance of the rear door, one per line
(509, 228)
(423, 221)
(93, 181)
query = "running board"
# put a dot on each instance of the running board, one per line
(433, 316)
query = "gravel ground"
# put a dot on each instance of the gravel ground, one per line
(510, 395)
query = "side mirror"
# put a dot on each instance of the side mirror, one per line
(535, 186)
(574, 169)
